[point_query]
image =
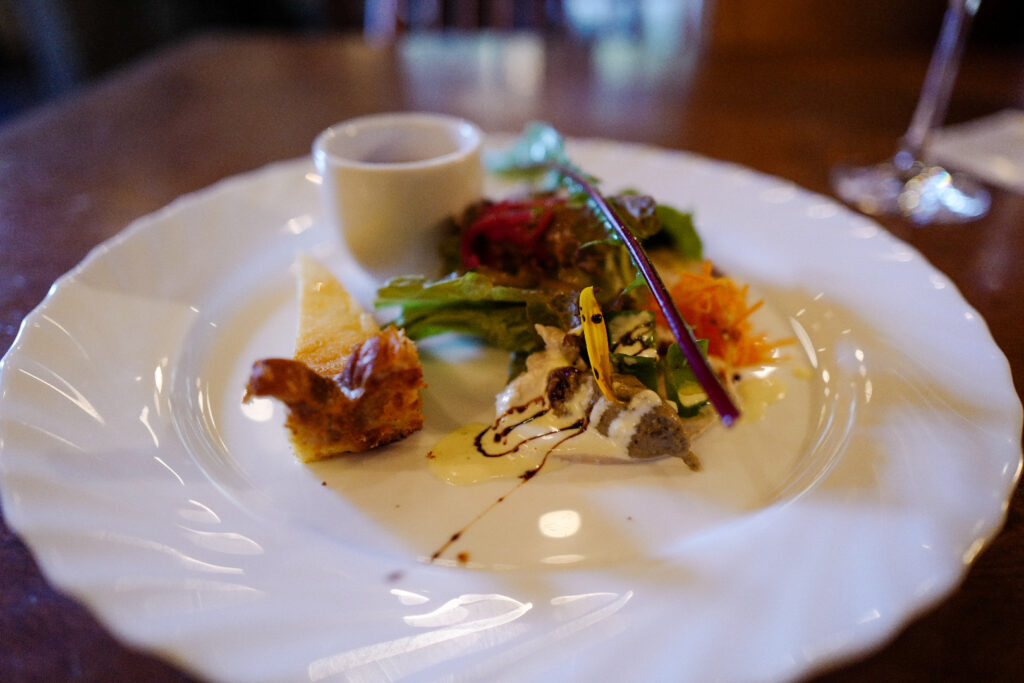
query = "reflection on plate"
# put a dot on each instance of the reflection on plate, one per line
(147, 491)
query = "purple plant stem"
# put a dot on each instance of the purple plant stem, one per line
(719, 397)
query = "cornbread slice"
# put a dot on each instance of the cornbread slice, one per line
(331, 322)
(351, 386)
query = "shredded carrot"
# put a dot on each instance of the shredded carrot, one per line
(717, 310)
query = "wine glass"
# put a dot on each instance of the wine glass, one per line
(905, 184)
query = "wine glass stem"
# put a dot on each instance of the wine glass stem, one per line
(938, 83)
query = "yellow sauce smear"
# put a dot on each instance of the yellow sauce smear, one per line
(757, 393)
(456, 460)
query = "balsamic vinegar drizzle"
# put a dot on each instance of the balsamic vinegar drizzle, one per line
(501, 436)
(493, 440)
(575, 429)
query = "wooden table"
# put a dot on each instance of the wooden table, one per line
(75, 172)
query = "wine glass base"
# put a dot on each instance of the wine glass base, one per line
(921, 193)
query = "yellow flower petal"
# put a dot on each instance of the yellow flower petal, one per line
(596, 337)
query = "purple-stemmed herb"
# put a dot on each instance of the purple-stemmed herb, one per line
(719, 397)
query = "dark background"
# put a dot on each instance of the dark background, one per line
(49, 48)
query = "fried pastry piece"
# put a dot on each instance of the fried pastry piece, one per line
(351, 387)
(373, 401)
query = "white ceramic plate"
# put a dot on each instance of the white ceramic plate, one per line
(145, 490)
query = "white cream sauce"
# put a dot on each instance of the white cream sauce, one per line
(528, 434)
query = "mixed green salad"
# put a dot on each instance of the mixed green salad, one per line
(521, 262)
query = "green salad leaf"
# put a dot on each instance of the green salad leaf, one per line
(472, 304)
(681, 385)
(527, 158)
(679, 233)
(644, 368)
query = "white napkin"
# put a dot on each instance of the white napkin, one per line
(990, 148)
